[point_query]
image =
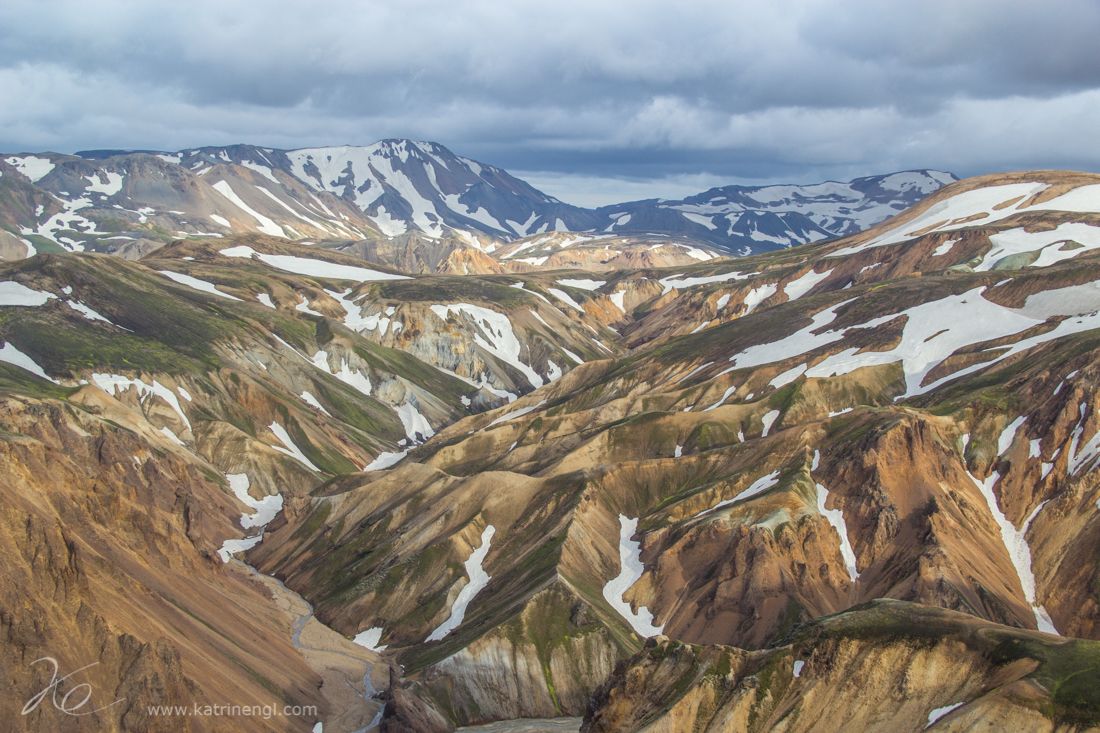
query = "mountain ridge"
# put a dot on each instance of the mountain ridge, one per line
(392, 188)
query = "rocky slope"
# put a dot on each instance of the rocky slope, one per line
(110, 537)
(502, 484)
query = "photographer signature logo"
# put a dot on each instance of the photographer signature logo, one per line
(74, 700)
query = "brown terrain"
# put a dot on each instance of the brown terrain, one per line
(633, 495)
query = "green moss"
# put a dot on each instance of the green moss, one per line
(170, 328)
(722, 667)
(64, 348)
(1070, 670)
(328, 461)
(715, 434)
(773, 681)
(684, 682)
(449, 389)
(313, 523)
(43, 245)
(446, 289)
(793, 614)
(14, 380)
(376, 420)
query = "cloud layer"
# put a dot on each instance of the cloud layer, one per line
(797, 90)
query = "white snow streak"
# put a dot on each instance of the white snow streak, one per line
(311, 267)
(11, 355)
(478, 579)
(267, 226)
(196, 284)
(495, 335)
(759, 486)
(289, 448)
(631, 569)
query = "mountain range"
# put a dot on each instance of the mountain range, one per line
(848, 485)
(133, 202)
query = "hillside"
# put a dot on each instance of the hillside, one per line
(656, 496)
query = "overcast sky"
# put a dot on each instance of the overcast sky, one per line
(593, 101)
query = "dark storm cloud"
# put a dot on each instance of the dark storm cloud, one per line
(642, 89)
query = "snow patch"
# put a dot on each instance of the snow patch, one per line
(495, 335)
(565, 298)
(759, 486)
(582, 283)
(508, 416)
(11, 355)
(17, 294)
(934, 330)
(196, 284)
(417, 427)
(385, 459)
(31, 166)
(940, 712)
(674, 282)
(758, 295)
(631, 569)
(311, 267)
(944, 248)
(113, 384)
(478, 579)
(835, 517)
(788, 376)
(109, 188)
(313, 402)
(804, 283)
(289, 448)
(267, 226)
(1015, 543)
(263, 510)
(768, 420)
(369, 639)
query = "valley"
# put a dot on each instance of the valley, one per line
(427, 467)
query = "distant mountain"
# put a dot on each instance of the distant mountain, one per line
(136, 201)
(748, 219)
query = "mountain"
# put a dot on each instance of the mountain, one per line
(656, 498)
(402, 184)
(747, 219)
(131, 204)
(386, 194)
(889, 415)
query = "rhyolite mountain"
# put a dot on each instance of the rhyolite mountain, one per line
(853, 482)
(134, 201)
